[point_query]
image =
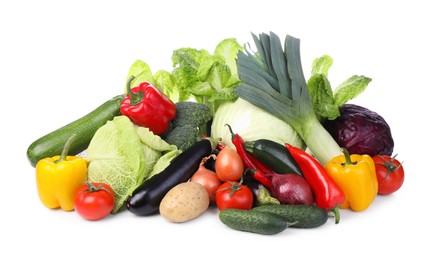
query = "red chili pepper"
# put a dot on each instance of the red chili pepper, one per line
(249, 161)
(262, 178)
(238, 141)
(328, 193)
(146, 106)
(260, 166)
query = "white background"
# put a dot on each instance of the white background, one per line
(59, 60)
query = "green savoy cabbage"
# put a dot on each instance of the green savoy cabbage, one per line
(124, 155)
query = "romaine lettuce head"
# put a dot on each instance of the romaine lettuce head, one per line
(123, 155)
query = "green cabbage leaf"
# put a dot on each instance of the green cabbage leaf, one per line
(124, 155)
(252, 123)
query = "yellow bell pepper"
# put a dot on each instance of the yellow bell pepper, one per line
(59, 177)
(357, 177)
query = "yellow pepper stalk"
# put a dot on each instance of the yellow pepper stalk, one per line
(59, 177)
(357, 177)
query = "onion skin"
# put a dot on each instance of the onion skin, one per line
(291, 189)
(208, 179)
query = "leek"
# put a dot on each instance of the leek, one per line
(273, 80)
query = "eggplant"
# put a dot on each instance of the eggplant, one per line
(259, 196)
(146, 198)
(253, 185)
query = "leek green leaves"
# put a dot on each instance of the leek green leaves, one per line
(273, 79)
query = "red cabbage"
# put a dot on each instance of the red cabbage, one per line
(361, 131)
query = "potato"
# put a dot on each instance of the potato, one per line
(184, 202)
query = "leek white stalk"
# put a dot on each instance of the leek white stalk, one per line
(320, 142)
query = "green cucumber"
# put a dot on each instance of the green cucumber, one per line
(85, 127)
(274, 155)
(259, 222)
(299, 216)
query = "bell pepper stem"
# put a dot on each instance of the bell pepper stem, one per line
(347, 157)
(135, 98)
(336, 211)
(66, 148)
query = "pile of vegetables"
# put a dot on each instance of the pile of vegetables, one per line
(239, 129)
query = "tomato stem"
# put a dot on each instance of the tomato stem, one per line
(234, 187)
(94, 188)
(389, 165)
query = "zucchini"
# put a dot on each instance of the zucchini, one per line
(259, 222)
(302, 216)
(273, 155)
(85, 127)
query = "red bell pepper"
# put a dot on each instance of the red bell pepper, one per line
(146, 106)
(328, 194)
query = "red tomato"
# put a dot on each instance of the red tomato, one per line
(229, 165)
(390, 174)
(234, 195)
(94, 201)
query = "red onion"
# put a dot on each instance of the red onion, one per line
(291, 189)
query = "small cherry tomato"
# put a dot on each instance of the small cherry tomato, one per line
(234, 195)
(94, 201)
(390, 174)
(229, 165)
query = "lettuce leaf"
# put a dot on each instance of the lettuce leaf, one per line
(321, 65)
(326, 102)
(165, 82)
(322, 97)
(141, 71)
(228, 49)
(123, 156)
(207, 78)
(350, 89)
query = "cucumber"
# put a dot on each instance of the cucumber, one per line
(259, 222)
(85, 127)
(299, 216)
(273, 155)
